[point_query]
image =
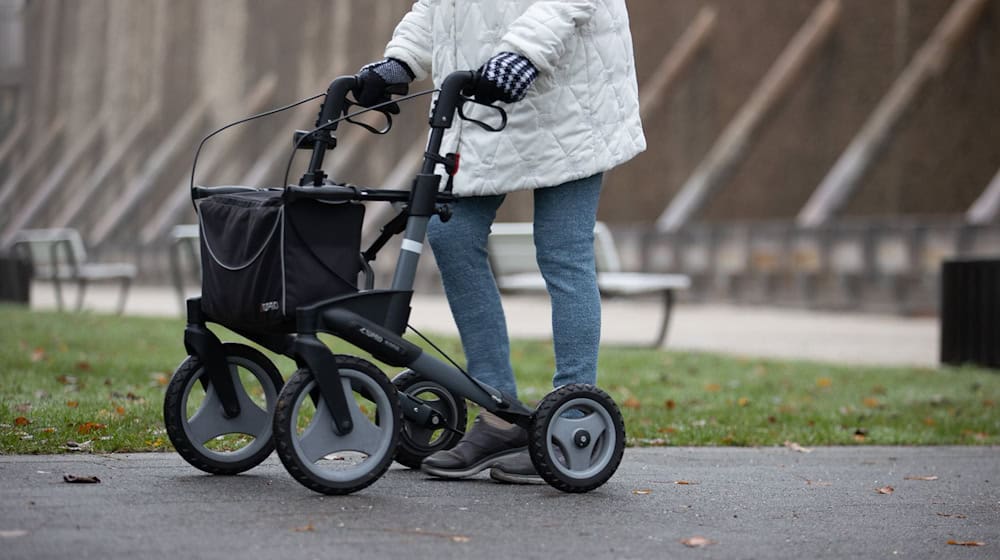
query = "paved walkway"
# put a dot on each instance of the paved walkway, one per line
(748, 331)
(769, 503)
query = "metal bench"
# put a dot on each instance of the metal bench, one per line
(59, 255)
(512, 257)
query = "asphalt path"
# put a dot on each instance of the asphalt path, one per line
(776, 502)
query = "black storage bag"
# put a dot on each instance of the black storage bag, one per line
(262, 257)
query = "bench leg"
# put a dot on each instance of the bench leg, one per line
(57, 285)
(126, 284)
(177, 274)
(668, 307)
(81, 290)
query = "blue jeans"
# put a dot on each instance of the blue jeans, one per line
(564, 244)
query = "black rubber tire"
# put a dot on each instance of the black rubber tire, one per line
(411, 452)
(174, 410)
(557, 473)
(302, 385)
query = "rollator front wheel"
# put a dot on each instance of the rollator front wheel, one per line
(199, 428)
(311, 449)
(417, 441)
(577, 438)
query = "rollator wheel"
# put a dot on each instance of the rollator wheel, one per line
(577, 438)
(416, 442)
(197, 425)
(309, 445)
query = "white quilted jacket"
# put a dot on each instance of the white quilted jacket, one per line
(580, 117)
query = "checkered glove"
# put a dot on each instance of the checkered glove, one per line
(505, 77)
(375, 80)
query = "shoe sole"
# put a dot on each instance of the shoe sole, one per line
(500, 475)
(475, 469)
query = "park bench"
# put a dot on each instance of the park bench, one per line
(512, 257)
(59, 255)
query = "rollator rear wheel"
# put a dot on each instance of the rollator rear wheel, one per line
(417, 442)
(311, 449)
(199, 429)
(577, 438)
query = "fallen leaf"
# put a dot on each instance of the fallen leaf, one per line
(670, 404)
(713, 387)
(305, 528)
(955, 515)
(38, 354)
(824, 382)
(885, 490)
(796, 447)
(932, 477)
(159, 378)
(75, 479)
(83, 365)
(21, 421)
(120, 410)
(13, 533)
(72, 404)
(642, 491)
(685, 482)
(88, 427)
(871, 402)
(743, 401)
(48, 430)
(928, 421)
(66, 380)
(23, 407)
(697, 542)
(967, 543)
(632, 403)
(459, 539)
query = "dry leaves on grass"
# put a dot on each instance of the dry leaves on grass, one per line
(697, 542)
(88, 427)
(21, 421)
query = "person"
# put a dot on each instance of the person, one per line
(565, 73)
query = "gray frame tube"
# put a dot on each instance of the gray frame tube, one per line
(409, 254)
(459, 383)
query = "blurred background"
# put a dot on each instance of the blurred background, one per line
(819, 153)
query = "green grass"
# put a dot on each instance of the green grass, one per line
(98, 381)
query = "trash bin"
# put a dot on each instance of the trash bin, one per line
(970, 312)
(15, 279)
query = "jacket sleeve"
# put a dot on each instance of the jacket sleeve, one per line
(542, 32)
(411, 41)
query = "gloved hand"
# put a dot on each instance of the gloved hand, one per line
(505, 77)
(376, 79)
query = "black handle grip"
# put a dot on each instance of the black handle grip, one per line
(450, 97)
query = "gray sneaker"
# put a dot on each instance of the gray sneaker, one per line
(481, 447)
(517, 469)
